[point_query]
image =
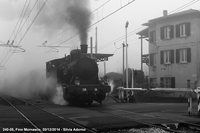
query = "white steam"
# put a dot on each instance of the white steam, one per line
(28, 85)
(58, 97)
(33, 85)
(112, 85)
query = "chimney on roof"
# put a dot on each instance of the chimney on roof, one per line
(165, 13)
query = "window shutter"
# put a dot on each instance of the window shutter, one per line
(162, 33)
(162, 82)
(177, 55)
(178, 30)
(151, 80)
(172, 56)
(188, 29)
(161, 57)
(188, 54)
(151, 37)
(151, 60)
(172, 82)
(171, 31)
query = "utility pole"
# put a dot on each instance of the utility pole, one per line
(123, 45)
(132, 78)
(96, 41)
(141, 52)
(126, 26)
(91, 47)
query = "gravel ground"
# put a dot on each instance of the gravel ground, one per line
(150, 130)
(141, 130)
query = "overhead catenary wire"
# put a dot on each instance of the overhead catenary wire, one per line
(90, 26)
(184, 6)
(15, 27)
(120, 38)
(174, 11)
(98, 21)
(29, 26)
(88, 14)
(20, 18)
(19, 30)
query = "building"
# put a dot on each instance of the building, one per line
(174, 49)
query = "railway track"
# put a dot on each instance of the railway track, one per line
(40, 120)
(150, 120)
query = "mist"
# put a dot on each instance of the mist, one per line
(25, 75)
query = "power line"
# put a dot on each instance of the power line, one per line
(98, 21)
(88, 15)
(184, 6)
(20, 28)
(29, 25)
(176, 10)
(119, 39)
(19, 18)
(16, 25)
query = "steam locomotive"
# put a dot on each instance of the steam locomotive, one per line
(78, 75)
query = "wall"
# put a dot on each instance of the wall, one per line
(181, 72)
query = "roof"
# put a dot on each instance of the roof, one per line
(100, 56)
(183, 13)
(144, 32)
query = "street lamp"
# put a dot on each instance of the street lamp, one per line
(126, 26)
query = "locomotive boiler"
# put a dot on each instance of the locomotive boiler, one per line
(78, 75)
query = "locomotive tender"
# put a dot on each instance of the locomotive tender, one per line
(78, 75)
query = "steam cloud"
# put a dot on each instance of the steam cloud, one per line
(60, 14)
(56, 16)
(33, 85)
(27, 85)
(112, 85)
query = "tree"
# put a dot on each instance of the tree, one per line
(138, 77)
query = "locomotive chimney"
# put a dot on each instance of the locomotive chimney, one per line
(84, 48)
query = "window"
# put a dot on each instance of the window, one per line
(167, 82)
(183, 55)
(167, 32)
(153, 59)
(153, 82)
(153, 36)
(167, 57)
(183, 30)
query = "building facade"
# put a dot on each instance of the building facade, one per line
(174, 49)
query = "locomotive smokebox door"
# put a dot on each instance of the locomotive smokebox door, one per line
(75, 54)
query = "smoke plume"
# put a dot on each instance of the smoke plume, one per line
(63, 13)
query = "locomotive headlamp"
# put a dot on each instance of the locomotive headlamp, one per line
(77, 82)
(84, 89)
